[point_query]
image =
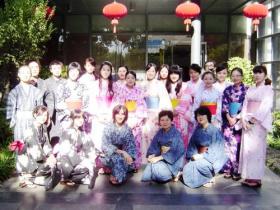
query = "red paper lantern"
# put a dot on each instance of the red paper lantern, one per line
(187, 11)
(115, 11)
(255, 11)
(49, 12)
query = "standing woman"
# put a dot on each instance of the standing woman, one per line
(195, 83)
(132, 97)
(118, 146)
(221, 73)
(257, 122)
(71, 95)
(163, 73)
(102, 92)
(181, 100)
(122, 70)
(232, 103)
(90, 75)
(210, 97)
(157, 99)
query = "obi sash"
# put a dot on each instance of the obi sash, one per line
(131, 105)
(212, 106)
(104, 101)
(72, 103)
(234, 107)
(152, 102)
(253, 106)
(175, 102)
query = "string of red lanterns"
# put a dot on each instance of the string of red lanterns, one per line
(187, 10)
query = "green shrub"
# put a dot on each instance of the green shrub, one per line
(7, 164)
(6, 134)
(245, 65)
(274, 137)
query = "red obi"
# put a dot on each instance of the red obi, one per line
(212, 106)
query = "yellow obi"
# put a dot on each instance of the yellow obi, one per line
(175, 102)
(212, 106)
(131, 105)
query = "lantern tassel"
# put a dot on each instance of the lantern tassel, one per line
(115, 22)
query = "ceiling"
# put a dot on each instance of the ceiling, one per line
(150, 6)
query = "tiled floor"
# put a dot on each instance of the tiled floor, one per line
(135, 195)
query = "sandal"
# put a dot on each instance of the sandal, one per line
(236, 177)
(113, 180)
(227, 175)
(178, 176)
(251, 184)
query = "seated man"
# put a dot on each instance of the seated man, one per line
(166, 152)
(205, 153)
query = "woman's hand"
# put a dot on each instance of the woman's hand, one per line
(197, 157)
(128, 159)
(155, 159)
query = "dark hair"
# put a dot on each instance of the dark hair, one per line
(110, 78)
(39, 110)
(195, 67)
(237, 69)
(167, 113)
(56, 62)
(163, 66)
(150, 65)
(90, 60)
(174, 69)
(208, 72)
(203, 111)
(117, 110)
(221, 67)
(262, 69)
(75, 65)
(124, 66)
(132, 73)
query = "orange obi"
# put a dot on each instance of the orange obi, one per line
(175, 102)
(212, 106)
(131, 105)
(73, 104)
(253, 106)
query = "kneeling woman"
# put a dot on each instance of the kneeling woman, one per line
(205, 153)
(166, 152)
(76, 156)
(118, 146)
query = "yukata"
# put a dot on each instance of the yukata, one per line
(258, 103)
(21, 102)
(157, 99)
(135, 103)
(232, 103)
(221, 86)
(173, 158)
(35, 151)
(70, 96)
(100, 108)
(210, 98)
(87, 80)
(76, 155)
(115, 138)
(199, 172)
(52, 85)
(182, 107)
(196, 87)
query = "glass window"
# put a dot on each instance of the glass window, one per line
(276, 48)
(264, 50)
(130, 23)
(217, 47)
(120, 50)
(77, 23)
(265, 27)
(77, 48)
(211, 25)
(276, 75)
(276, 20)
(168, 23)
(237, 45)
(238, 24)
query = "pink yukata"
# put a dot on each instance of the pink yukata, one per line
(258, 103)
